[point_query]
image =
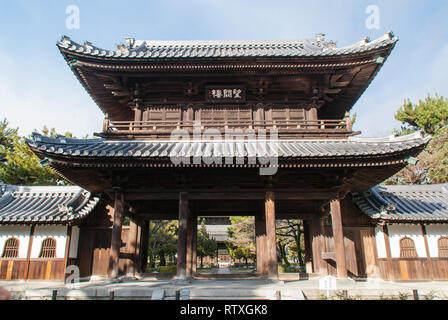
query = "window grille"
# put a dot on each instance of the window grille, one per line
(443, 247)
(11, 248)
(48, 249)
(407, 248)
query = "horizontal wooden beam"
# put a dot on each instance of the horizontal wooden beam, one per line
(240, 195)
(166, 216)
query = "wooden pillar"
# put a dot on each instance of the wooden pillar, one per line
(182, 237)
(28, 255)
(67, 249)
(390, 274)
(311, 115)
(318, 245)
(189, 257)
(308, 251)
(137, 248)
(115, 242)
(428, 255)
(137, 117)
(271, 244)
(194, 247)
(338, 237)
(144, 242)
(131, 248)
(260, 234)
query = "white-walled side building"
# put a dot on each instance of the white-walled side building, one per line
(39, 231)
(411, 232)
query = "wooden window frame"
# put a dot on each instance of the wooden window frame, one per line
(11, 251)
(47, 251)
(444, 249)
(404, 251)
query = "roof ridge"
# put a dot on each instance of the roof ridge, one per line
(245, 48)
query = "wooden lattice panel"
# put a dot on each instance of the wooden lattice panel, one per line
(11, 248)
(407, 248)
(48, 248)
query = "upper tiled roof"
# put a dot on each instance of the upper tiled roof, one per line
(405, 203)
(44, 204)
(149, 49)
(303, 149)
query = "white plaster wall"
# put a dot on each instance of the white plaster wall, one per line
(20, 232)
(398, 231)
(380, 243)
(433, 233)
(74, 240)
(57, 232)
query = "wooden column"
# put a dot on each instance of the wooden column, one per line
(338, 237)
(144, 242)
(308, 251)
(194, 247)
(318, 245)
(311, 114)
(189, 257)
(115, 242)
(137, 248)
(28, 255)
(271, 250)
(428, 255)
(260, 234)
(390, 274)
(67, 249)
(182, 237)
(131, 248)
(137, 117)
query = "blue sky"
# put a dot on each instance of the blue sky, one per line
(37, 88)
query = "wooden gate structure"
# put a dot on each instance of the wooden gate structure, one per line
(204, 128)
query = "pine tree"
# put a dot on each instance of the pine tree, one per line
(430, 116)
(206, 246)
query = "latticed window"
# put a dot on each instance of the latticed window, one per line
(11, 248)
(407, 248)
(443, 247)
(48, 248)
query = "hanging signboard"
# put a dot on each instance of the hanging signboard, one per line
(225, 93)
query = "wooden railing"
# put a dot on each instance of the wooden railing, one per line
(280, 125)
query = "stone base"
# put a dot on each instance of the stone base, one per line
(181, 281)
(275, 281)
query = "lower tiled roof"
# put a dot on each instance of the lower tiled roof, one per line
(405, 203)
(134, 149)
(44, 204)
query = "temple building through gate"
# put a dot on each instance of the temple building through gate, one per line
(204, 128)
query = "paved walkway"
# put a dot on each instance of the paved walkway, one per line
(227, 289)
(222, 270)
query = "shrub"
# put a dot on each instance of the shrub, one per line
(289, 268)
(168, 269)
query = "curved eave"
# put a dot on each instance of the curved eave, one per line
(42, 206)
(331, 153)
(405, 204)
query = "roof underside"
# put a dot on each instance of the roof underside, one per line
(405, 203)
(45, 204)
